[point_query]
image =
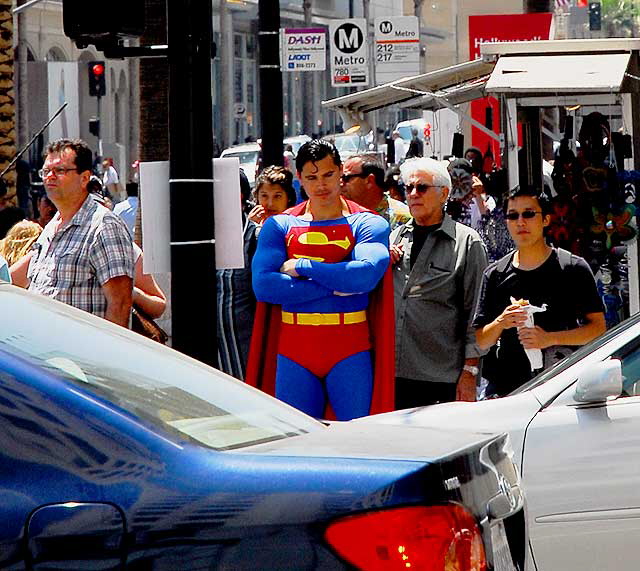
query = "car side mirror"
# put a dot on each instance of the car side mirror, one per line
(599, 382)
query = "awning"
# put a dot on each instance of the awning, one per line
(465, 81)
(578, 73)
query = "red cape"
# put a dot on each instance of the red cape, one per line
(261, 367)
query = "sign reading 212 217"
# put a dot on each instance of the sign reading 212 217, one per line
(303, 49)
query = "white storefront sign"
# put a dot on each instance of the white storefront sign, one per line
(349, 53)
(303, 49)
(397, 48)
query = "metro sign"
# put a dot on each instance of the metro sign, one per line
(349, 54)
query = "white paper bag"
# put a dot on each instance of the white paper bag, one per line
(534, 355)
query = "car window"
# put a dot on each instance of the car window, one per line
(629, 357)
(152, 382)
(350, 143)
(405, 132)
(580, 353)
(244, 157)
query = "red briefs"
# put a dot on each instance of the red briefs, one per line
(318, 348)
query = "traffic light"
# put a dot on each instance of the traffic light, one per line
(97, 84)
(595, 16)
(94, 126)
(103, 24)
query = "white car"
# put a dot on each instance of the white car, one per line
(296, 141)
(576, 433)
(349, 144)
(248, 153)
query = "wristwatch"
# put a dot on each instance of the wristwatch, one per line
(472, 369)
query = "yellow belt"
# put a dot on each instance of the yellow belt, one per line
(324, 318)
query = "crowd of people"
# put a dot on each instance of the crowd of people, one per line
(386, 288)
(464, 270)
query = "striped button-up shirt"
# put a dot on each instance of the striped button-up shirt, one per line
(72, 262)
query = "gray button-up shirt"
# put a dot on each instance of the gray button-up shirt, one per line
(435, 301)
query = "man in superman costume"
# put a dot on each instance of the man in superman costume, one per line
(323, 336)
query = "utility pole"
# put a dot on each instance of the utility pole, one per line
(193, 284)
(134, 111)
(308, 90)
(417, 11)
(271, 112)
(373, 117)
(22, 89)
(225, 51)
(8, 107)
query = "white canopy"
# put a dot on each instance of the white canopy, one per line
(576, 73)
(465, 80)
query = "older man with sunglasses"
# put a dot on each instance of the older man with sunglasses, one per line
(534, 274)
(438, 266)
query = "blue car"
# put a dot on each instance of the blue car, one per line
(119, 453)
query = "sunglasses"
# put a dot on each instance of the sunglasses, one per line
(527, 214)
(420, 188)
(348, 177)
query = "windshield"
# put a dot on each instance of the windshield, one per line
(245, 157)
(296, 143)
(152, 382)
(350, 144)
(577, 355)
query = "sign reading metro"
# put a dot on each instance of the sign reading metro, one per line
(349, 52)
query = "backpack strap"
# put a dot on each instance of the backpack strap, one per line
(503, 263)
(564, 258)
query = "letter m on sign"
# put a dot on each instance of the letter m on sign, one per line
(348, 41)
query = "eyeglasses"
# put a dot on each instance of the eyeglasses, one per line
(527, 214)
(420, 188)
(347, 177)
(58, 171)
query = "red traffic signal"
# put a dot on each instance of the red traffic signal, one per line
(97, 83)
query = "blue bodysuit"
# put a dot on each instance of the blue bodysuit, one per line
(323, 349)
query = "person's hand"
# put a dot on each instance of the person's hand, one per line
(466, 387)
(534, 338)
(257, 214)
(513, 316)
(476, 186)
(289, 268)
(396, 251)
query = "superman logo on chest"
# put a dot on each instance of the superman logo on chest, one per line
(320, 243)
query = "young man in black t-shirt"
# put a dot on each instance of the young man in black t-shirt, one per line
(539, 274)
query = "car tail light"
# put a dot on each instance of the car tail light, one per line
(414, 538)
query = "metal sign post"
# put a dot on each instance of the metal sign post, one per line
(193, 278)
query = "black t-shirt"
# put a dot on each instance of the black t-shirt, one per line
(568, 289)
(420, 234)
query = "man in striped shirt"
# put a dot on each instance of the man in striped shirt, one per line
(84, 256)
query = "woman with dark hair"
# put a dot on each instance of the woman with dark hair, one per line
(274, 193)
